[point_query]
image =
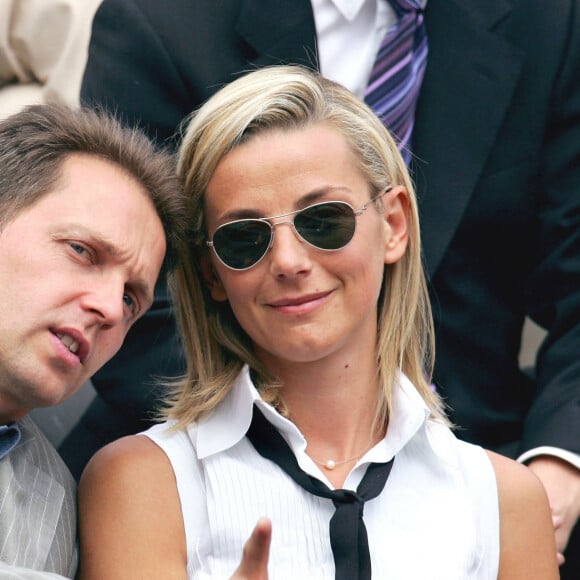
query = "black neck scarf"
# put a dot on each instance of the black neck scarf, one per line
(348, 534)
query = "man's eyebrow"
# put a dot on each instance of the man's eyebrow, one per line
(88, 236)
(139, 285)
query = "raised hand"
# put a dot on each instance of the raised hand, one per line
(562, 483)
(254, 564)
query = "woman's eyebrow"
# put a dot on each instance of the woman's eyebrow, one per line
(304, 201)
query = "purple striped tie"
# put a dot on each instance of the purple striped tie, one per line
(398, 72)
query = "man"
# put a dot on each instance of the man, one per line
(497, 169)
(89, 211)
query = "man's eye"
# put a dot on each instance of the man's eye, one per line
(85, 252)
(78, 248)
(130, 302)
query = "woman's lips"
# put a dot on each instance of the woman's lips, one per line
(300, 304)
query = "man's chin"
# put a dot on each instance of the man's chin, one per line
(50, 396)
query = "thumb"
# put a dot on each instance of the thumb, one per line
(254, 565)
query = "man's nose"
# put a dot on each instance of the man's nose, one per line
(105, 298)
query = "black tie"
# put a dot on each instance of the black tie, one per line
(348, 534)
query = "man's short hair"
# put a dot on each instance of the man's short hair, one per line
(35, 142)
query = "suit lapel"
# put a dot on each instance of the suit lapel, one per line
(463, 101)
(470, 78)
(280, 31)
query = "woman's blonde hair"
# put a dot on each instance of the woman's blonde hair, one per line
(216, 347)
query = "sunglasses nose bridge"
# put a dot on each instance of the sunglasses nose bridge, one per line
(289, 222)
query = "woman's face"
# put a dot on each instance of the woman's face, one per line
(300, 304)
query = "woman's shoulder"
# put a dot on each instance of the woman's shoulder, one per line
(133, 458)
(528, 548)
(130, 512)
(518, 487)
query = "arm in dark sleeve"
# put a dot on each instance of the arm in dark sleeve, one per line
(554, 287)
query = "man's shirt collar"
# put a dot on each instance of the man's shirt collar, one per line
(9, 438)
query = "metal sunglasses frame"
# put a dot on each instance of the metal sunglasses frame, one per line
(266, 220)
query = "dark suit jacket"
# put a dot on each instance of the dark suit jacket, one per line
(497, 141)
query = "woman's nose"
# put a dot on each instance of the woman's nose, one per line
(289, 254)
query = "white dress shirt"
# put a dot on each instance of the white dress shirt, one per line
(349, 34)
(437, 517)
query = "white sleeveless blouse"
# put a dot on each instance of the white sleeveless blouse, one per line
(437, 517)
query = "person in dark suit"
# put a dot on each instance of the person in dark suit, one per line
(496, 163)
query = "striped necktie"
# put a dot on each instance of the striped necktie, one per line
(398, 72)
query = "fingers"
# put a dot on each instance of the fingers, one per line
(558, 522)
(254, 564)
(561, 481)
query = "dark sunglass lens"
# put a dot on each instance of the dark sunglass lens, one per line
(241, 244)
(329, 226)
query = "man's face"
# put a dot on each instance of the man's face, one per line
(77, 268)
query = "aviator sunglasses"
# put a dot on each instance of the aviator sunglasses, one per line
(328, 226)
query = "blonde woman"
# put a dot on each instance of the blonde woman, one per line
(307, 400)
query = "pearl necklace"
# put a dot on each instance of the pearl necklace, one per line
(330, 464)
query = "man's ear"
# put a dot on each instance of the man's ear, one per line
(396, 214)
(212, 280)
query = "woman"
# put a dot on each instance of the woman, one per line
(307, 329)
